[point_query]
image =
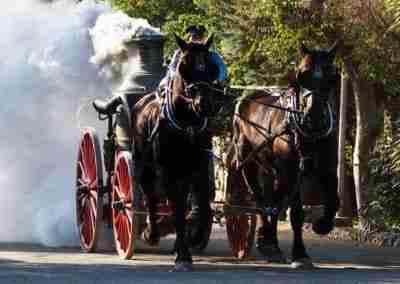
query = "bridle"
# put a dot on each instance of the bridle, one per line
(190, 90)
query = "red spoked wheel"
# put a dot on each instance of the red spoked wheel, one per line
(241, 230)
(123, 200)
(89, 182)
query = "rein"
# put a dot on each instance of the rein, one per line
(230, 93)
(169, 112)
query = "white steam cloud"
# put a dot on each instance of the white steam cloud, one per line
(45, 74)
(116, 58)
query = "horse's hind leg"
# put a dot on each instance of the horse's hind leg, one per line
(266, 238)
(300, 258)
(267, 234)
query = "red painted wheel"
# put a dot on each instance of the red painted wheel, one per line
(89, 181)
(241, 230)
(125, 222)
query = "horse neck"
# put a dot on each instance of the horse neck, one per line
(181, 105)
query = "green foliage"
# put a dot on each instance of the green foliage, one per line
(383, 211)
(155, 11)
(394, 9)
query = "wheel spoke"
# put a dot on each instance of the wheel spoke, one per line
(118, 194)
(124, 177)
(88, 233)
(89, 159)
(83, 202)
(93, 185)
(93, 203)
(128, 214)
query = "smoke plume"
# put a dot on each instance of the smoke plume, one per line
(45, 77)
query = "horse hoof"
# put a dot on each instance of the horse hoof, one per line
(277, 258)
(302, 263)
(323, 226)
(272, 253)
(183, 266)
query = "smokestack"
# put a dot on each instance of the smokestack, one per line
(144, 69)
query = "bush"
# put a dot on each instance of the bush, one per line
(383, 212)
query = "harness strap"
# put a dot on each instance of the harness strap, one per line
(171, 118)
(268, 139)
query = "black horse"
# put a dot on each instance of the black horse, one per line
(170, 136)
(285, 140)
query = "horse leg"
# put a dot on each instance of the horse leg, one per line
(267, 240)
(300, 258)
(201, 209)
(327, 177)
(325, 223)
(266, 237)
(151, 234)
(203, 191)
(267, 234)
(177, 195)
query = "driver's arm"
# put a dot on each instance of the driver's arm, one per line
(222, 71)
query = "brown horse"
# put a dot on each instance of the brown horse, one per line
(170, 136)
(284, 140)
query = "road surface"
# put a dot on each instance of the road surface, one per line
(336, 262)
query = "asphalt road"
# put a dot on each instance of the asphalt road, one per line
(336, 262)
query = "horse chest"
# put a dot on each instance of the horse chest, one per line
(179, 151)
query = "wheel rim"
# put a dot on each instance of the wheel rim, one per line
(240, 231)
(88, 184)
(122, 209)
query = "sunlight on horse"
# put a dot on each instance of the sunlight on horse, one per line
(170, 136)
(285, 138)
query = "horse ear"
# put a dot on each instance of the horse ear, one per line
(209, 41)
(181, 43)
(303, 50)
(333, 49)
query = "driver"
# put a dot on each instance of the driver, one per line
(194, 34)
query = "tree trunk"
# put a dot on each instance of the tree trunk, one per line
(345, 208)
(367, 123)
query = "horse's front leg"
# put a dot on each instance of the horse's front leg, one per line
(201, 209)
(325, 172)
(329, 182)
(300, 258)
(177, 195)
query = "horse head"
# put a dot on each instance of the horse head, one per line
(195, 74)
(317, 77)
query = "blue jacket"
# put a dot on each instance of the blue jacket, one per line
(215, 57)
